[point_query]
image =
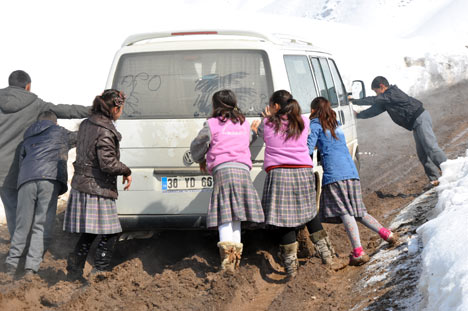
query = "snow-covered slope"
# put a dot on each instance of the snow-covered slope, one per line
(444, 277)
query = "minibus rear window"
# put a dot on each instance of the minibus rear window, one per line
(180, 84)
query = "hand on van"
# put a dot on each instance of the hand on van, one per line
(254, 125)
(266, 112)
(203, 167)
(127, 179)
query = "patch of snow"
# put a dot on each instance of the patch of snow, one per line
(444, 277)
(414, 246)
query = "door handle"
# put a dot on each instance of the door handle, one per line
(343, 120)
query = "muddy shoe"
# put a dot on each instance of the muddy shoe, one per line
(389, 236)
(392, 239)
(29, 274)
(323, 246)
(431, 184)
(239, 248)
(230, 253)
(358, 261)
(288, 254)
(435, 183)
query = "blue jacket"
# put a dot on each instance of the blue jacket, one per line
(336, 161)
(44, 153)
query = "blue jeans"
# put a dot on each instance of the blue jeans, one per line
(37, 205)
(9, 199)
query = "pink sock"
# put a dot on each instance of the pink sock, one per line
(384, 233)
(358, 251)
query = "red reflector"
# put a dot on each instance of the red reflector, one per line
(194, 33)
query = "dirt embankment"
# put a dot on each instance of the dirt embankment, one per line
(178, 270)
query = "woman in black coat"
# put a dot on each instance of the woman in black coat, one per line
(91, 208)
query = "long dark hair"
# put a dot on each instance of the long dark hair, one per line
(322, 110)
(104, 103)
(225, 106)
(289, 108)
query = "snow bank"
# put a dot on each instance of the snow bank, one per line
(444, 278)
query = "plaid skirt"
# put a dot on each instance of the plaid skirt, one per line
(87, 213)
(289, 197)
(234, 198)
(341, 198)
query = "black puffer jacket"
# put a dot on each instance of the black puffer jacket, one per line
(44, 153)
(403, 109)
(97, 162)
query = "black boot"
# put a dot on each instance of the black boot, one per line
(75, 266)
(77, 260)
(104, 252)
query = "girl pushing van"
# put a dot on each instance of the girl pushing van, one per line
(289, 191)
(341, 198)
(225, 140)
(91, 209)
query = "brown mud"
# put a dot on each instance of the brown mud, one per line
(178, 270)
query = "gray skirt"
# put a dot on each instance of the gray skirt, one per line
(87, 213)
(289, 197)
(341, 198)
(234, 198)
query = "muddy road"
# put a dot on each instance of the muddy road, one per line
(178, 270)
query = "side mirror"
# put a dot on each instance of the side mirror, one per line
(358, 89)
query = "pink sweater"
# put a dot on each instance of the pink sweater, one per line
(229, 143)
(279, 151)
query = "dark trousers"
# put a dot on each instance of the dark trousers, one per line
(287, 235)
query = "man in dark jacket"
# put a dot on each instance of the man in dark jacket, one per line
(409, 113)
(42, 178)
(19, 108)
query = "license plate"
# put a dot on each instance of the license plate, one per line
(186, 183)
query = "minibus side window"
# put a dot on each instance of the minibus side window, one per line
(323, 89)
(301, 80)
(329, 82)
(339, 83)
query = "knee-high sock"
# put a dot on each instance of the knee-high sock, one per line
(370, 222)
(352, 230)
(230, 232)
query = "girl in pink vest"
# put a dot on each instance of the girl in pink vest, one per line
(289, 192)
(225, 140)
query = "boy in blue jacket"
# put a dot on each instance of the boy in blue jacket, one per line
(42, 178)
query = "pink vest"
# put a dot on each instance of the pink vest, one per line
(279, 151)
(229, 143)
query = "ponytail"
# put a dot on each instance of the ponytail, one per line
(104, 103)
(322, 110)
(289, 110)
